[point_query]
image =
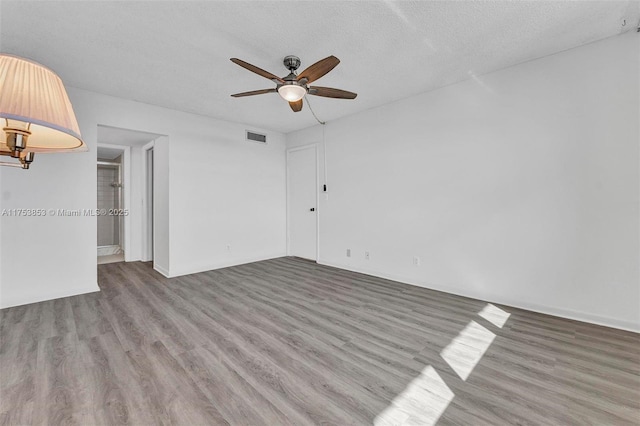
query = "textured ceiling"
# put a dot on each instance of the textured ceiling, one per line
(176, 54)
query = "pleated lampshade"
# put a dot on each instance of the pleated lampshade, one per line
(33, 98)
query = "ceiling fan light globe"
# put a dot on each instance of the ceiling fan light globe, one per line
(292, 92)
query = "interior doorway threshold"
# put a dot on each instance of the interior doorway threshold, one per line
(111, 258)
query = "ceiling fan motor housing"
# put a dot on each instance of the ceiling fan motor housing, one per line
(291, 62)
(293, 88)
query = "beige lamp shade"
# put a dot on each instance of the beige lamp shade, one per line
(33, 99)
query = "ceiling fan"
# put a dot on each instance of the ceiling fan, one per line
(293, 87)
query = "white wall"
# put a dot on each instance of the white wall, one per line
(162, 205)
(48, 257)
(220, 190)
(520, 187)
(230, 194)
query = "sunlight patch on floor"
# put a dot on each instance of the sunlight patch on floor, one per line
(427, 396)
(494, 315)
(422, 402)
(467, 348)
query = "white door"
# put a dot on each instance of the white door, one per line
(301, 201)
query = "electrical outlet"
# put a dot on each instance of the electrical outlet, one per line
(416, 261)
(366, 255)
(348, 252)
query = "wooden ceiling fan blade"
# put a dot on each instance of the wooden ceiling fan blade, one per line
(259, 71)
(319, 69)
(330, 92)
(296, 106)
(254, 92)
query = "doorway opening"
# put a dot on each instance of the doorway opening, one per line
(110, 204)
(126, 233)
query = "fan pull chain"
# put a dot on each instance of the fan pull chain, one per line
(312, 112)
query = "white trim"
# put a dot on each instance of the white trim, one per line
(147, 250)
(126, 195)
(162, 252)
(318, 203)
(161, 270)
(42, 297)
(494, 298)
(317, 207)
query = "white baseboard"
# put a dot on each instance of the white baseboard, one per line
(42, 297)
(492, 298)
(194, 269)
(162, 270)
(129, 258)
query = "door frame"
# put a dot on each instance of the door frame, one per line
(148, 212)
(125, 175)
(118, 167)
(313, 146)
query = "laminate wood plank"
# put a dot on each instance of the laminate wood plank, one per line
(312, 349)
(279, 386)
(18, 353)
(319, 328)
(233, 355)
(573, 349)
(499, 403)
(264, 374)
(288, 341)
(115, 391)
(327, 384)
(88, 314)
(60, 383)
(126, 324)
(557, 393)
(17, 402)
(310, 356)
(154, 317)
(237, 400)
(509, 394)
(343, 319)
(172, 388)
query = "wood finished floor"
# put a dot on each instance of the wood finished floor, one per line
(287, 341)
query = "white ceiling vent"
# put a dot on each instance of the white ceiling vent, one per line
(256, 137)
